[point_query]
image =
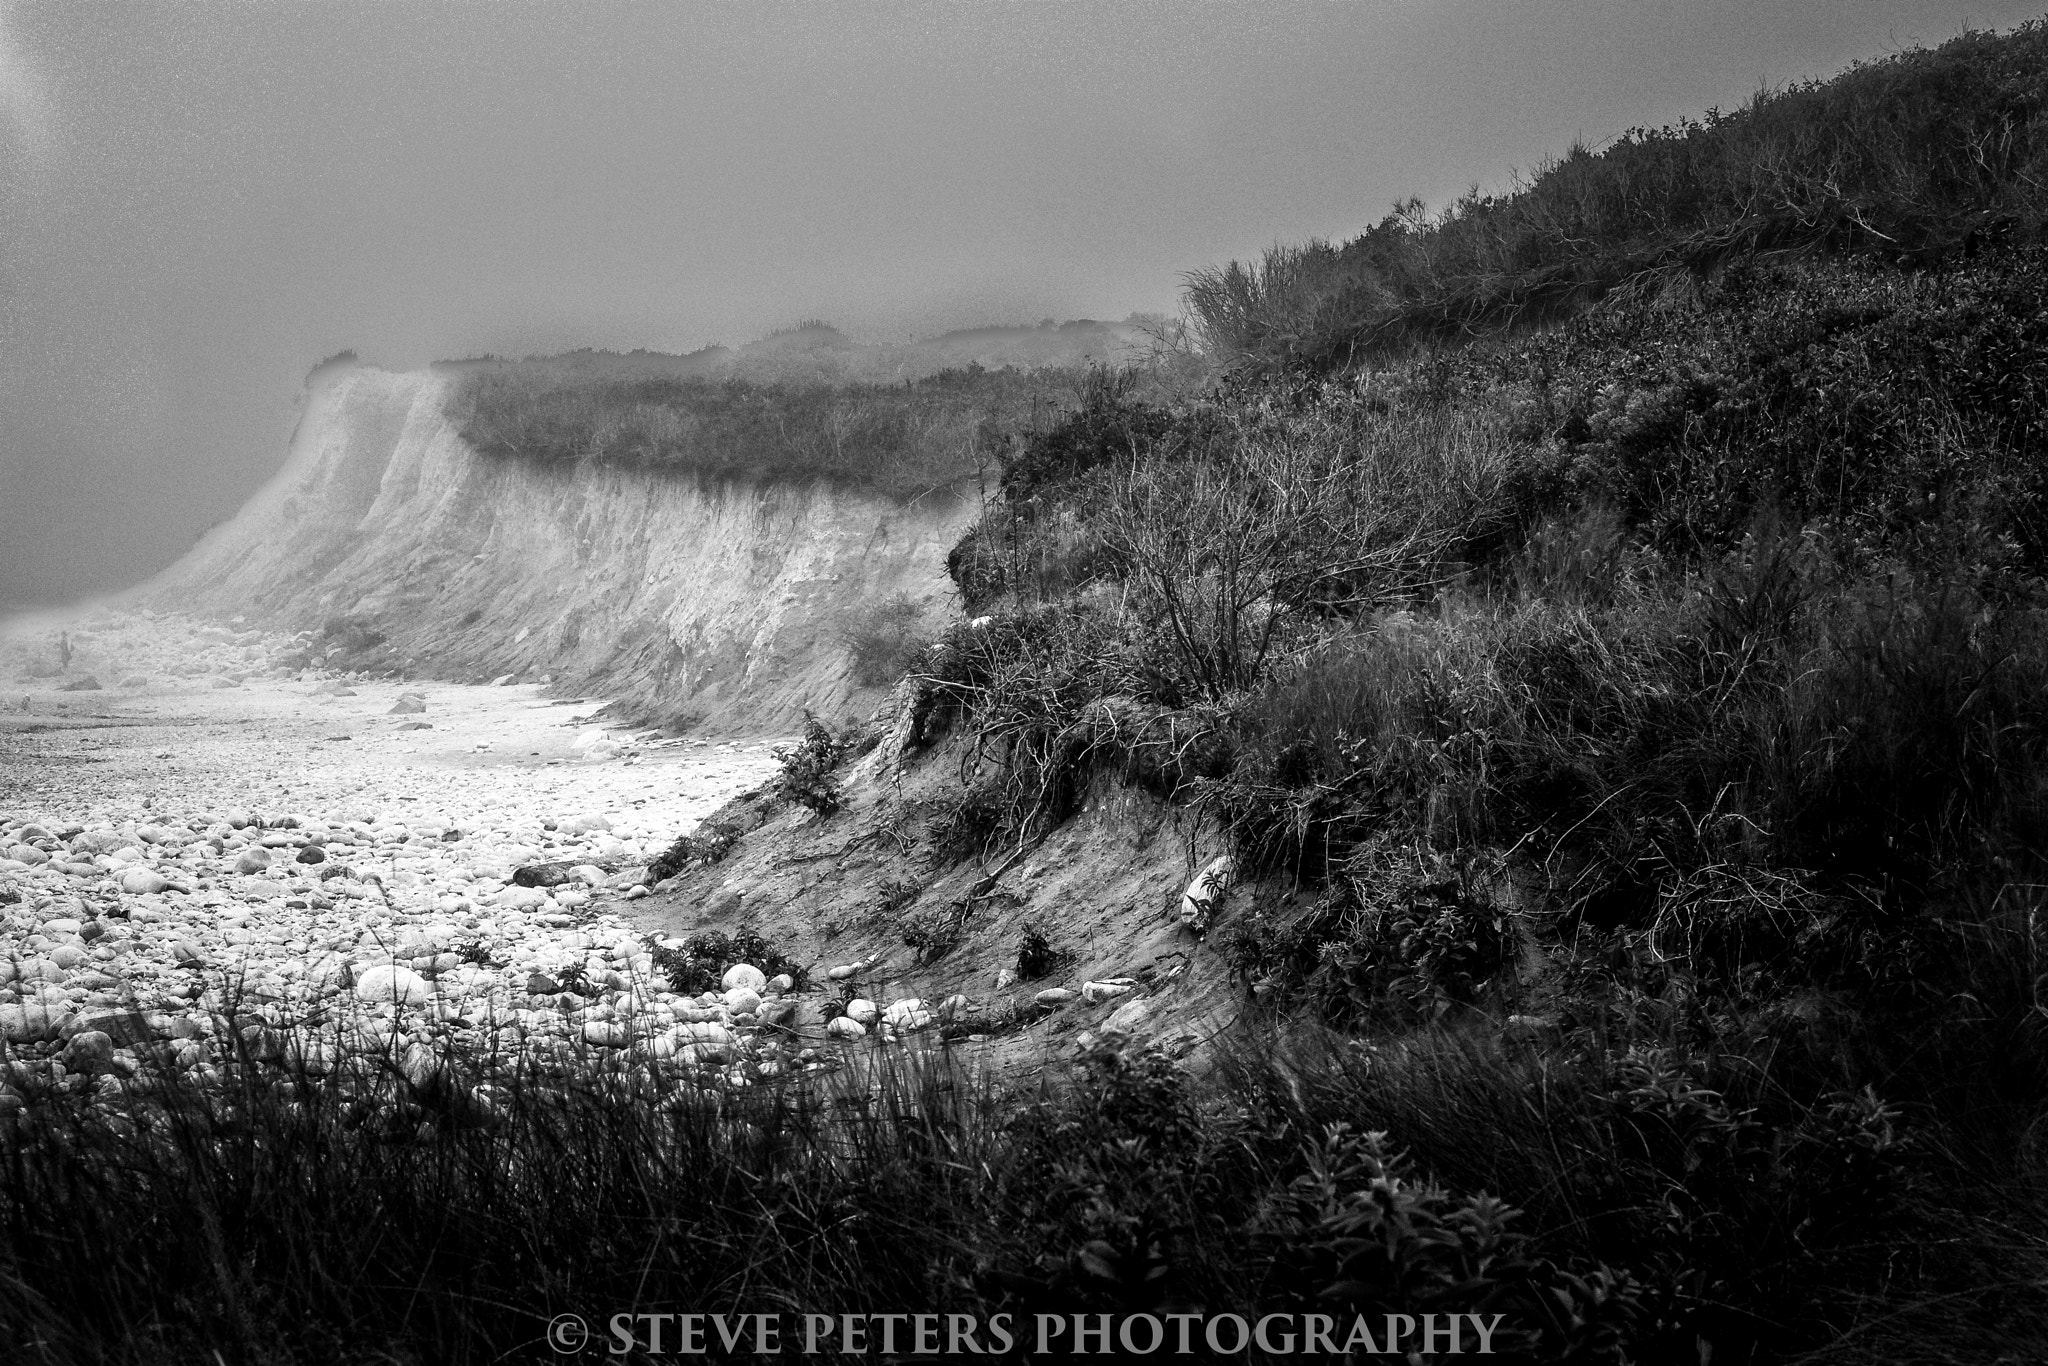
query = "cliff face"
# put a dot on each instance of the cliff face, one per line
(725, 606)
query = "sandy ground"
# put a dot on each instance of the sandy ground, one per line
(273, 742)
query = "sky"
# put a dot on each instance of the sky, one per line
(201, 200)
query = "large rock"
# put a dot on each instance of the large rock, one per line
(85, 684)
(252, 860)
(408, 704)
(90, 1051)
(907, 1016)
(745, 975)
(390, 982)
(845, 1027)
(32, 1022)
(143, 881)
(864, 1011)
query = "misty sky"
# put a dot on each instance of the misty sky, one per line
(198, 201)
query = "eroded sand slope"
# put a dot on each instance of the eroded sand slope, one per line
(724, 606)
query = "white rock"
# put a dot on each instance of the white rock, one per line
(395, 984)
(1108, 989)
(843, 971)
(744, 975)
(143, 882)
(845, 1027)
(705, 1032)
(742, 1000)
(607, 1033)
(907, 1016)
(860, 1008)
(1053, 997)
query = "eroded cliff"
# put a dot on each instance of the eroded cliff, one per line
(726, 606)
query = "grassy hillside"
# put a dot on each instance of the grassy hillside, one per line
(1917, 158)
(1663, 689)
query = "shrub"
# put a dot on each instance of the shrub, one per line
(1037, 957)
(807, 777)
(707, 844)
(699, 965)
(886, 643)
(1359, 1233)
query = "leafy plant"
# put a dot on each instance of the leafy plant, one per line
(807, 768)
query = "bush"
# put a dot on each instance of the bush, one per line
(1037, 957)
(700, 964)
(709, 843)
(807, 778)
(886, 643)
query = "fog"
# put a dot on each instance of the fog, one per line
(198, 202)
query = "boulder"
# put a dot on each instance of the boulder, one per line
(143, 881)
(864, 1011)
(545, 874)
(907, 1016)
(390, 982)
(90, 1052)
(1109, 989)
(845, 1027)
(408, 704)
(606, 1034)
(32, 1022)
(1053, 998)
(745, 975)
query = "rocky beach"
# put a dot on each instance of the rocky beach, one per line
(224, 855)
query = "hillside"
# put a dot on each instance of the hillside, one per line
(1613, 645)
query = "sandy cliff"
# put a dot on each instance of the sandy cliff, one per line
(721, 605)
